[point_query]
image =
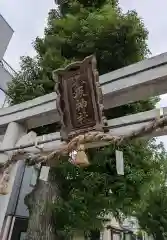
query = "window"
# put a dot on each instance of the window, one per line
(19, 229)
(22, 236)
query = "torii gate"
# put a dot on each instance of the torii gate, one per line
(129, 84)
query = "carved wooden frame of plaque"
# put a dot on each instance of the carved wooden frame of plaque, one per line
(91, 118)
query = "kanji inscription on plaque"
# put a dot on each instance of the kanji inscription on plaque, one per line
(79, 98)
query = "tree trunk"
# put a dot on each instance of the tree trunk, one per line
(40, 225)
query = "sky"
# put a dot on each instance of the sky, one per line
(28, 19)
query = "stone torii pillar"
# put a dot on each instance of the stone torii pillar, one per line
(13, 133)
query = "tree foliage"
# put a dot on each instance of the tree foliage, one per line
(117, 39)
(154, 217)
(152, 214)
(89, 195)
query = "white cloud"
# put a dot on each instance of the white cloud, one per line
(154, 15)
(27, 18)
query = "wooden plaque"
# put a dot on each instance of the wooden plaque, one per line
(79, 99)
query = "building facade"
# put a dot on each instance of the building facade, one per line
(6, 75)
(6, 72)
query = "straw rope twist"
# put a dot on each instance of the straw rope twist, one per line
(96, 137)
(33, 159)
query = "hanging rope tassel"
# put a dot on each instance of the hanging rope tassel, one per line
(79, 158)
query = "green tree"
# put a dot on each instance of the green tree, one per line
(154, 217)
(77, 199)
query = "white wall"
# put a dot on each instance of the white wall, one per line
(6, 33)
(5, 77)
